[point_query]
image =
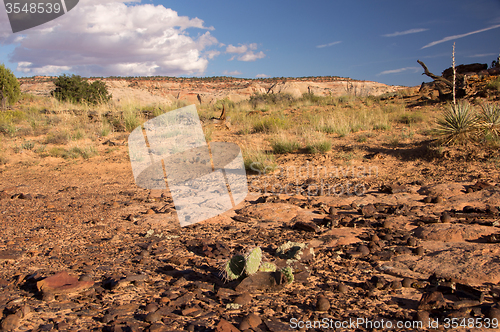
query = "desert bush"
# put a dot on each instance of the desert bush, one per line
(76, 89)
(283, 144)
(321, 146)
(271, 124)
(411, 117)
(258, 161)
(270, 98)
(59, 137)
(9, 87)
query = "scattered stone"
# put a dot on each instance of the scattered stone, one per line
(445, 217)
(420, 251)
(322, 303)
(11, 322)
(306, 226)
(396, 284)
(368, 210)
(151, 307)
(431, 301)
(422, 316)
(407, 282)
(153, 317)
(225, 326)
(250, 321)
(243, 299)
(342, 288)
(393, 189)
(493, 313)
(261, 281)
(438, 199)
(62, 283)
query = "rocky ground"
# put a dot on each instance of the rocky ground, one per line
(84, 249)
(401, 238)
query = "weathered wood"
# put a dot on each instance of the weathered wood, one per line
(433, 76)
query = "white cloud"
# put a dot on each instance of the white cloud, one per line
(107, 37)
(399, 70)
(481, 55)
(329, 44)
(246, 52)
(445, 39)
(231, 73)
(406, 32)
(261, 76)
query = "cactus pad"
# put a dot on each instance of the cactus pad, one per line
(267, 267)
(288, 273)
(253, 260)
(234, 267)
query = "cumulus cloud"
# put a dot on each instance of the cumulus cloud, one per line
(244, 52)
(107, 37)
(329, 44)
(232, 73)
(261, 76)
(399, 70)
(445, 39)
(406, 32)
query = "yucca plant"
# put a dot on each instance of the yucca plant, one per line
(459, 124)
(490, 120)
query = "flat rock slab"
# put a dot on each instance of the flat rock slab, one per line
(63, 283)
(342, 236)
(9, 255)
(453, 232)
(470, 263)
(280, 212)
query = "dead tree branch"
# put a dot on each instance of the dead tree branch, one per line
(434, 77)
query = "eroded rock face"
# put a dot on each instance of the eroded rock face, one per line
(168, 91)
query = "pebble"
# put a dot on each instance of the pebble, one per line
(363, 250)
(153, 317)
(422, 316)
(445, 217)
(342, 288)
(493, 313)
(10, 323)
(438, 199)
(322, 303)
(243, 299)
(419, 251)
(151, 307)
(250, 321)
(396, 284)
(412, 242)
(407, 282)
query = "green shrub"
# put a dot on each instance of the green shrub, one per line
(76, 89)
(9, 87)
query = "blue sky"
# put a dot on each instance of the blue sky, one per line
(368, 40)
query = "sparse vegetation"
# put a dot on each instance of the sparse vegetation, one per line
(9, 87)
(76, 89)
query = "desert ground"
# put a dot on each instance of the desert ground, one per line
(383, 226)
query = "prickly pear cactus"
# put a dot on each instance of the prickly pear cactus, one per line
(267, 267)
(234, 268)
(288, 273)
(253, 260)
